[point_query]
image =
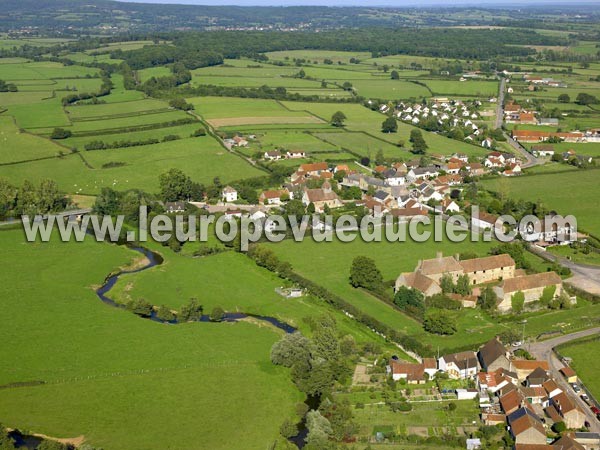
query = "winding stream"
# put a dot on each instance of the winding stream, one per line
(24, 441)
(154, 259)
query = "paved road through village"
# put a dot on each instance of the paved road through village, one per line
(543, 351)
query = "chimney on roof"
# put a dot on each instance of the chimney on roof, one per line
(440, 255)
(457, 256)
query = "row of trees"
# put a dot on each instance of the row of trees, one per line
(30, 199)
(7, 87)
(316, 365)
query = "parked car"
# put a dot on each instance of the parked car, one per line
(595, 410)
(576, 388)
(585, 398)
(516, 344)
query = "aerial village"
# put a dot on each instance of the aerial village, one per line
(531, 398)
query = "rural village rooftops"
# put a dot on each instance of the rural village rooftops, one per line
(491, 351)
(537, 280)
(487, 263)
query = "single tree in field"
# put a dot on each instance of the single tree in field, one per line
(338, 119)
(418, 142)
(389, 125)
(564, 98)
(395, 75)
(364, 273)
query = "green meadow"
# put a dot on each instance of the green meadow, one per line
(201, 158)
(22, 146)
(180, 278)
(587, 368)
(104, 369)
(474, 88)
(328, 264)
(570, 192)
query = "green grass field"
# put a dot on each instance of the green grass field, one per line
(473, 88)
(229, 107)
(201, 158)
(390, 89)
(108, 110)
(317, 55)
(570, 192)
(112, 377)
(317, 260)
(183, 277)
(19, 146)
(587, 368)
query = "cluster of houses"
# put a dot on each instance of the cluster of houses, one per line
(516, 114)
(447, 112)
(506, 164)
(520, 394)
(536, 136)
(403, 189)
(569, 155)
(498, 269)
(237, 141)
(575, 137)
(543, 81)
(276, 155)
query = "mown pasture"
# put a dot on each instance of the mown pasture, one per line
(569, 192)
(110, 376)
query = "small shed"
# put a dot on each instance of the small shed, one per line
(569, 374)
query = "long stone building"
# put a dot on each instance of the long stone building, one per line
(427, 276)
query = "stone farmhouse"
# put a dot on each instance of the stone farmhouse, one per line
(479, 270)
(497, 268)
(531, 285)
(321, 198)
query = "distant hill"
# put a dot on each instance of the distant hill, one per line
(105, 17)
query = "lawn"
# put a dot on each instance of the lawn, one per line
(317, 55)
(44, 114)
(290, 140)
(229, 107)
(315, 261)
(388, 89)
(18, 146)
(586, 367)
(363, 144)
(183, 131)
(202, 159)
(120, 381)
(576, 255)
(43, 70)
(571, 192)
(473, 88)
(109, 110)
(121, 123)
(146, 74)
(183, 277)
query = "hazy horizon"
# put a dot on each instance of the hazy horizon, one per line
(375, 3)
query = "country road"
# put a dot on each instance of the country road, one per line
(529, 158)
(585, 277)
(544, 351)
